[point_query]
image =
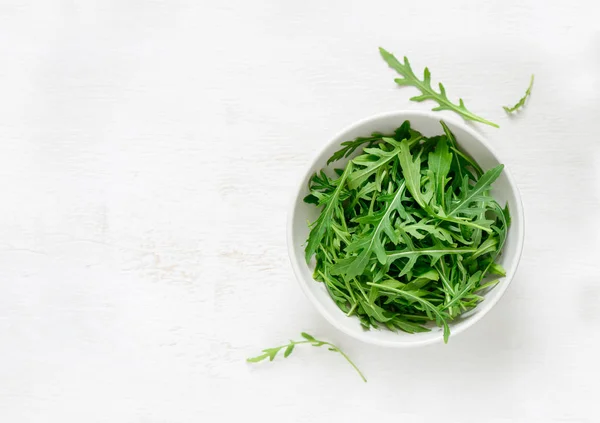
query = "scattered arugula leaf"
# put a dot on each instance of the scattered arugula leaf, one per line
(408, 231)
(271, 353)
(427, 91)
(521, 102)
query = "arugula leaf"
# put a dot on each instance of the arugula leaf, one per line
(376, 159)
(412, 254)
(479, 192)
(349, 147)
(323, 224)
(521, 102)
(411, 169)
(439, 163)
(427, 92)
(271, 353)
(371, 242)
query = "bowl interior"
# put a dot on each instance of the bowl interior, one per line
(504, 190)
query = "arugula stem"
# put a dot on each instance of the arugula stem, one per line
(349, 361)
(523, 99)
(351, 309)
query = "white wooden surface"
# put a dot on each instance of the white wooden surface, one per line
(148, 153)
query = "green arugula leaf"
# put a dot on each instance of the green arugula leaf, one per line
(349, 147)
(271, 353)
(427, 92)
(479, 192)
(411, 170)
(376, 159)
(523, 99)
(323, 224)
(412, 254)
(439, 163)
(371, 242)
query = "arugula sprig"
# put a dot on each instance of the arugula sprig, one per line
(349, 147)
(523, 99)
(271, 353)
(408, 231)
(427, 91)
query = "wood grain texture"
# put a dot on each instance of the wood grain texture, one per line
(149, 153)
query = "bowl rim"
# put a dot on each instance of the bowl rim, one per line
(486, 306)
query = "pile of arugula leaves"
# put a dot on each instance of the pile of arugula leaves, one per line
(408, 230)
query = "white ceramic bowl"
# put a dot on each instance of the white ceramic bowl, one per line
(428, 123)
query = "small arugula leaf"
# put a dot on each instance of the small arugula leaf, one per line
(308, 339)
(468, 288)
(427, 92)
(439, 163)
(523, 99)
(419, 230)
(349, 147)
(463, 161)
(289, 349)
(411, 170)
(486, 247)
(496, 269)
(272, 352)
(376, 159)
(323, 223)
(412, 254)
(257, 358)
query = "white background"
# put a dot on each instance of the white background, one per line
(148, 153)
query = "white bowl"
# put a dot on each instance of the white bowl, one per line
(504, 190)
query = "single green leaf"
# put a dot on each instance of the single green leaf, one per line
(487, 246)
(307, 336)
(487, 285)
(411, 170)
(272, 352)
(349, 147)
(419, 230)
(376, 159)
(459, 155)
(461, 293)
(257, 358)
(289, 349)
(439, 163)
(323, 223)
(412, 253)
(427, 92)
(523, 99)
(497, 269)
